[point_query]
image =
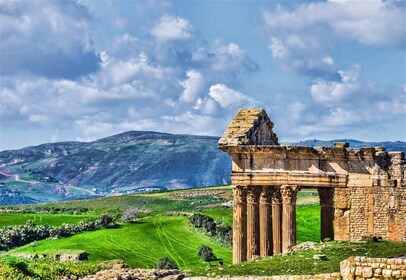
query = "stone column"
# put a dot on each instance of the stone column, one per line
(265, 222)
(239, 225)
(253, 221)
(277, 221)
(326, 196)
(289, 194)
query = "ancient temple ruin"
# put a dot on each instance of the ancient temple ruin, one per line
(362, 191)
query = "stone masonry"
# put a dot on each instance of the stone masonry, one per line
(362, 191)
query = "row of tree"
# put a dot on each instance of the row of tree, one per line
(43, 209)
(19, 235)
(216, 229)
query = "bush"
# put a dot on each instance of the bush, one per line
(18, 235)
(130, 214)
(106, 221)
(166, 263)
(221, 232)
(206, 253)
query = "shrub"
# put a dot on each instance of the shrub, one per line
(221, 232)
(130, 214)
(166, 263)
(206, 253)
(106, 221)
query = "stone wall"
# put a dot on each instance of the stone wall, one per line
(373, 268)
(327, 276)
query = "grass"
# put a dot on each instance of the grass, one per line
(302, 262)
(142, 243)
(8, 219)
(156, 202)
(139, 244)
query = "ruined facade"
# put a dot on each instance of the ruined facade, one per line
(362, 191)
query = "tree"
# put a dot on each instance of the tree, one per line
(166, 263)
(206, 253)
(130, 214)
(106, 221)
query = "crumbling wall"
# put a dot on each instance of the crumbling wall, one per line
(373, 204)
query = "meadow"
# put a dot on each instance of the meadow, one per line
(164, 230)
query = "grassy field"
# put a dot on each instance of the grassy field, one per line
(161, 234)
(155, 202)
(139, 244)
(142, 243)
(164, 201)
(302, 262)
(8, 219)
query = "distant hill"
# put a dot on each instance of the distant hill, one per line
(124, 163)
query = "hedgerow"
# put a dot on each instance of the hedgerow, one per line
(216, 229)
(19, 235)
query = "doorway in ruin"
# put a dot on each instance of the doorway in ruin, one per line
(308, 216)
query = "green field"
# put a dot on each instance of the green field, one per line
(159, 234)
(142, 243)
(8, 219)
(139, 244)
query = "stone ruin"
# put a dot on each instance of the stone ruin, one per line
(362, 191)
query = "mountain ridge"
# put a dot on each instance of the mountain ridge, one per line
(127, 162)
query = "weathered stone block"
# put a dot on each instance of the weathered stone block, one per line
(367, 272)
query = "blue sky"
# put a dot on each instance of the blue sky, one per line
(82, 70)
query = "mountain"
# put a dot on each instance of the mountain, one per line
(123, 163)
(129, 162)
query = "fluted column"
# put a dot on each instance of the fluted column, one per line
(253, 221)
(277, 220)
(289, 194)
(265, 223)
(326, 196)
(239, 225)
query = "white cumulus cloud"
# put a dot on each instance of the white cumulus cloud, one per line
(226, 96)
(172, 28)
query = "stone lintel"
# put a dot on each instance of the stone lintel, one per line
(311, 180)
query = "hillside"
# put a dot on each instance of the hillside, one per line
(123, 163)
(129, 162)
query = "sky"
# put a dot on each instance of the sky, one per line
(82, 70)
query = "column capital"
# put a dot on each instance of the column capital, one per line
(266, 195)
(289, 193)
(253, 194)
(276, 196)
(240, 194)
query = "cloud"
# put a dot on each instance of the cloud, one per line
(340, 107)
(331, 93)
(51, 40)
(160, 79)
(226, 96)
(303, 38)
(172, 28)
(192, 86)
